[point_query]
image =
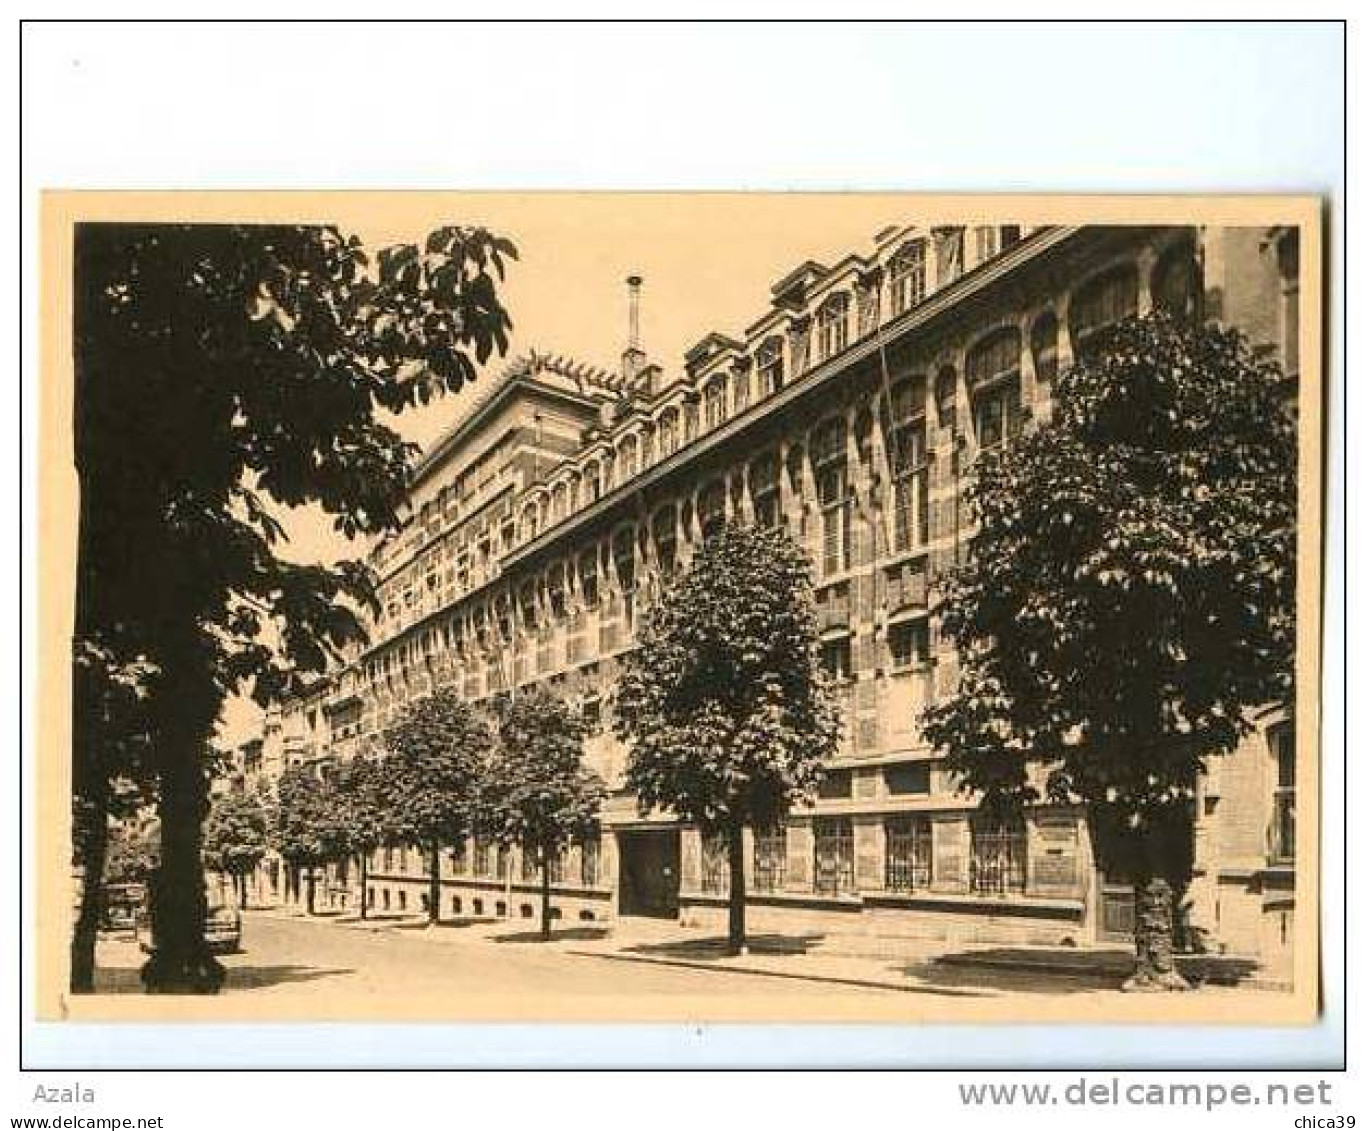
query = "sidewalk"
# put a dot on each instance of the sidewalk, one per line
(876, 962)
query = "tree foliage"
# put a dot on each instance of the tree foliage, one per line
(224, 372)
(726, 709)
(236, 833)
(1128, 594)
(537, 793)
(437, 752)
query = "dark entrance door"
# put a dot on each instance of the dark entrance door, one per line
(649, 872)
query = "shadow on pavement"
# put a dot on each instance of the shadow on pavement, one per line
(128, 980)
(711, 949)
(1064, 970)
(568, 934)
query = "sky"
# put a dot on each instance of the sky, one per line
(707, 260)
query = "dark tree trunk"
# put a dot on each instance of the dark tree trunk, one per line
(735, 935)
(1154, 963)
(242, 890)
(311, 880)
(181, 962)
(545, 895)
(364, 870)
(434, 884)
(94, 837)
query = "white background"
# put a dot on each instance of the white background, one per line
(1214, 107)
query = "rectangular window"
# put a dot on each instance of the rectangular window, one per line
(1283, 796)
(910, 778)
(834, 855)
(998, 857)
(715, 864)
(836, 659)
(836, 785)
(590, 861)
(998, 413)
(908, 854)
(770, 859)
(909, 643)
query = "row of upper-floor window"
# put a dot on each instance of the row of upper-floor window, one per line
(996, 413)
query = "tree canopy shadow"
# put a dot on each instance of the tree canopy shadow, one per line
(717, 947)
(128, 979)
(567, 934)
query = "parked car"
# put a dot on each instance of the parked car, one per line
(123, 905)
(223, 928)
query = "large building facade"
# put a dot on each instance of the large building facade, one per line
(850, 412)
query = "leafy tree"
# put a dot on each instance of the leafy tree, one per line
(235, 837)
(362, 793)
(724, 704)
(1128, 597)
(537, 793)
(437, 753)
(134, 849)
(303, 827)
(224, 372)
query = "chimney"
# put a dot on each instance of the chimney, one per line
(633, 357)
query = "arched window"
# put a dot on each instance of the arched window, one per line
(558, 500)
(830, 461)
(993, 374)
(592, 482)
(906, 276)
(1102, 301)
(909, 461)
(769, 366)
(1043, 344)
(711, 508)
(714, 406)
(763, 489)
(630, 457)
(664, 529)
(833, 325)
(1174, 283)
(668, 431)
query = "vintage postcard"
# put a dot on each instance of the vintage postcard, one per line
(682, 607)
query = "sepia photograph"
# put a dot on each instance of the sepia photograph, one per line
(680, 607)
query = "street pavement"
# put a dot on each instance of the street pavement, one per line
(340, 966)
(292, 957)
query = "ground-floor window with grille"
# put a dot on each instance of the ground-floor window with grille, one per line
(908, 853)
(483, 857)
(998, 857)
(834, 855)
(715, 864)
(531, 865)
(770, 858)
(590, 860)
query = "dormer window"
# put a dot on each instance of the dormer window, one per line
(906, 276)
(630, 457)
(769, 366)
(714, 402)
(592, 482)
(833, 325)
(668, 432)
